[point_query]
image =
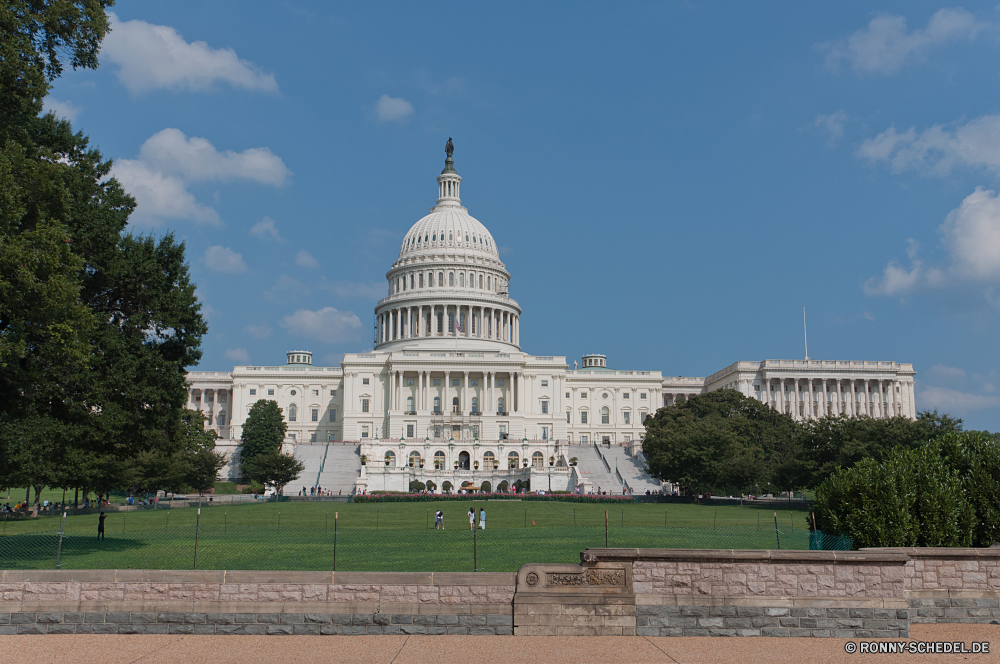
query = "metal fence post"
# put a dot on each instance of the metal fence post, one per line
(336, 516)
(62, 529)
(776, 534)
(606, 529)
(475, 551)
(197, 527)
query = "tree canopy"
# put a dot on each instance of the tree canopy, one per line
(97, 325)
(263, 433)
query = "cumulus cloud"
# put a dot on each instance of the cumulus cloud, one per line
(224, 259)
(938, 149)
(238, 355)
(971, 236)
(885, 45)
(953, 401)
(169, 161)
(63, 109)
(151, 57)
(392, 109)
(305, 259)
(261, 331)
(266, 228)
(832, 125)
(327, 325)
(944, 374)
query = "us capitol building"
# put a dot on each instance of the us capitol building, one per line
(448, 395)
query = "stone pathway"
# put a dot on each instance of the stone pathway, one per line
(170, 649)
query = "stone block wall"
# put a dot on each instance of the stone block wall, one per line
(239, 602)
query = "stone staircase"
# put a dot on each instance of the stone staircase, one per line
(311, 455)
(341, 468)
(589, 467)
(631, 469)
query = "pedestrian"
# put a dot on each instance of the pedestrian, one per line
(472, 519)
(439, 520)
(100, 526)
(482, 519)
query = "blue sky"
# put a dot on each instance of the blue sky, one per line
(670, 182)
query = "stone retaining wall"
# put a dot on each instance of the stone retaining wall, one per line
(240, 602)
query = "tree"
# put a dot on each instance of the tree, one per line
(263, 433)
(273, 469)
(721, 442)
(416, 486)
(838, 441)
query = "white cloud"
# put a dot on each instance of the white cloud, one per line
(63, 109)
(305, 259)
(347, 289)
(885, 45)
(389, 109)
(261, 331)
(833, 125)
(169, 161)
(151, 57)
(224, 259)
(953, 401)
(286, 288)
(327, 325)
(266, 228)
(938, 149)
(238, 355)
(971, 236)
(944, 373)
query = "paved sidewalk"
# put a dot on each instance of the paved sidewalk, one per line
(171, 649)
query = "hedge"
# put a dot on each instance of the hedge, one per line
(526, 497)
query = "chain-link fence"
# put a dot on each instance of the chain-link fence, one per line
(356, 549)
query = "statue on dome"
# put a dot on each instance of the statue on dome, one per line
(449, 148)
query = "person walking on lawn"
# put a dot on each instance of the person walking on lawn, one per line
(472, 519)
(100, 526)
(439, 520)
(482, 519)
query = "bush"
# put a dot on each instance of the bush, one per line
(526, 497)
(254, 487)
(945, 493)
(416, 486)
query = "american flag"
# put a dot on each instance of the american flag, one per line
(458, 326)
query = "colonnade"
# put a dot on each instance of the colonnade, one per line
(449, 320)
(807, 398)
(205, 400)
(671, 398)
(425, 390)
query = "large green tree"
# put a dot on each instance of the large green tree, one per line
(721, 442)
(263, 432)
(273, 469)
(97, 326)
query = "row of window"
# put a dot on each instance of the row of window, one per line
(416, 280)
(489, 460)
(606, 416)
(270, 392)
(293, 413)
(209, 398)
(415, 241)
(604, 395)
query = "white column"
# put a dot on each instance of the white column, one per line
(390, 379)
(913, 402)
(515, 392)
(867, 396)
(445, 404)
(465, 402)
(852, 409)
(781, 395)
(825, 408)
(809, 398)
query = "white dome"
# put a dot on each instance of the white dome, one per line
(449, 227)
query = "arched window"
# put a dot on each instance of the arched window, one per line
(605, 416)
(487, 283)
(475, 405)
(466, 237)
(440, 278)
(500, 405)
(292, 412)
(489, 461)
(454, 405)
(451, 278)
(397, 284)
(450, 238)
(390, 458)
(421, 280)
(537, 460)
(439, 460)
(437, 404)
(411, 282)
(512, 460)
(480, 281)
(461, 280)
(409, 405)
(414, 460)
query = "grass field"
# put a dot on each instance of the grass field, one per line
(386, 537)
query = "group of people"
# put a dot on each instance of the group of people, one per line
(319, 491)
(439, 519)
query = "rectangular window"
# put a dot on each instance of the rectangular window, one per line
(500, 383)
(642, 395)
(312, 438)
(209, 398)
(568, 417)
(454, 382)
(333, 414)
(583, 395)
(583, 417)
(315, 414)
(409, 382)
(316, 393)
(628, 438)
(545, 433)
(222, 398)
(545, 408)
(364, 381)
(625, 395)
(626, 416)
(545, 383)
(270, 393)
(584, 440)
(567, 395)
(475, 383)
(409, 431)
(437, 431)
(253, 392)
(364, 431)
(333, 393)
(643, 417)
(364, 405)
(437, 382)
(475, 432)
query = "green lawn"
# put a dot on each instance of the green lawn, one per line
(389, 537)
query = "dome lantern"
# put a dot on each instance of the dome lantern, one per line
(449, 180)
